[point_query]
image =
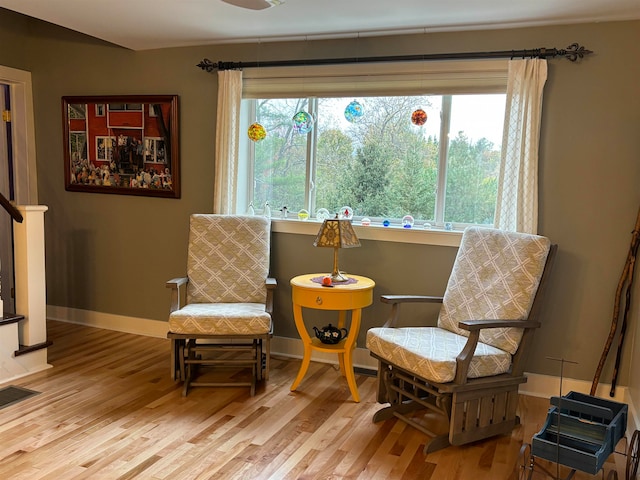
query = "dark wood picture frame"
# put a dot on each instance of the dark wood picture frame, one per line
(124, 144)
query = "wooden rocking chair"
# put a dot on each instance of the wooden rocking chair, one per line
(469, 367)
(225, 303)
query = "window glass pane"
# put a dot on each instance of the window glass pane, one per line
(77, 111)
(281, 158)
(473, 159)
(382, 165)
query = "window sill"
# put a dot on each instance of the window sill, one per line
(375, 232)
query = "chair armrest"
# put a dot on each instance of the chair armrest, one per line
(271, 284)
(409, 299)
(397, 300)
(177, 286)
(463, 360)
(472, 325)
(177, 282)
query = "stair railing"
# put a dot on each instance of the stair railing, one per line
(11, 209)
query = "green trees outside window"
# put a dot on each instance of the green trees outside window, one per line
(383, 166)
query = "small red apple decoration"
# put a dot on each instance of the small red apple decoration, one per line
(326, 281)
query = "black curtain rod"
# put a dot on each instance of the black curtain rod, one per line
(571, 53)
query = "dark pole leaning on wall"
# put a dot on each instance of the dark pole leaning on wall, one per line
(572, 53)
(624, 286)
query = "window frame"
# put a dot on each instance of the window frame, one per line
(107, 146)
(405, 78)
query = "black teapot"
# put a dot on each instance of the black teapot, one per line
(330, 334)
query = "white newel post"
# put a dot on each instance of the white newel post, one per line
(30, 282)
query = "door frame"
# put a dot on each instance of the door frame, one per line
(24, 167)
(23, 133)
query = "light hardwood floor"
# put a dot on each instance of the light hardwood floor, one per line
(108, 410)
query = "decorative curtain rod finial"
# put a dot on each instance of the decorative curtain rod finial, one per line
(574, 51)
(207, 65)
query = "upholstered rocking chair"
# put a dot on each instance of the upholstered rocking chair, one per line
(221, 312)
(467, 369)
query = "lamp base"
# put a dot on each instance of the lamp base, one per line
(338, 277)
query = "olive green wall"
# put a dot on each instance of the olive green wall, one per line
(113, 253)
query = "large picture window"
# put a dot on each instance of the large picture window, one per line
(383, 165)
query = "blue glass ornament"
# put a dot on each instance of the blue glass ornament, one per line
(386, 223)
(302, 122)
(407, 221)
(354, 111)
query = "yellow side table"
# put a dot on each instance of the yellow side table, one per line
(352, 296)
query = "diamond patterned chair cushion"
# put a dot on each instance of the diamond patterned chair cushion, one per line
(221, 319)
(495, 276)
(431, 352)
(227, 265)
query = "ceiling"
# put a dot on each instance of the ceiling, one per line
(150, 24)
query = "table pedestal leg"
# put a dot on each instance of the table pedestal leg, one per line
(306, 341)
(346, 358)
(351, 378)
(303, 368)
(342, 320)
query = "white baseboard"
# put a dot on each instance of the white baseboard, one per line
(537, 385)
(108, 321)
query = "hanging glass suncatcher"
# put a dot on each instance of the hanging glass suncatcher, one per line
(354, 111)
(419, 117)
(256, 132)
(302, 122)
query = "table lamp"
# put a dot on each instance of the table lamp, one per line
(336, 233)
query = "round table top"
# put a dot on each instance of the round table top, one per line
(307, 281)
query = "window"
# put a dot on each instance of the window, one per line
(77, 111)
(154, 151)
(383, 166)
(104, 148)
(135, 107)
(77, 145)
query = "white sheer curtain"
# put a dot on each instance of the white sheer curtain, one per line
(227, 137)
(517, 204)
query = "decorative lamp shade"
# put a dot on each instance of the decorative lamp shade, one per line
(336, 233)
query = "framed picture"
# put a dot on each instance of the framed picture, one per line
(122, 144)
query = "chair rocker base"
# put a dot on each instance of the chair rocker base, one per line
(189, 356)
(479, 409)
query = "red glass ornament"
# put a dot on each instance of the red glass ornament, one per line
(419, 117)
